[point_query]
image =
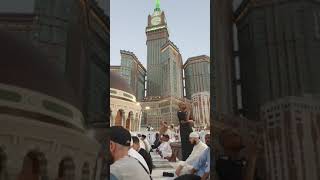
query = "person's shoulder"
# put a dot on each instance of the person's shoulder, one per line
(113, 177)
(203, 144)
(143, 151)
(118, 163)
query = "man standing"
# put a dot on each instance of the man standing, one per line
(186, 166)
(123, 166)
(146, 155)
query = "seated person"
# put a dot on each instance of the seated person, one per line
(164, 149)
(163, 128)
(157, 141)
(231, 164)
(185, 167)
(142, 152)
(201, 167)
(123, 166)
(133, 153)
(142, 145)
(146, 143)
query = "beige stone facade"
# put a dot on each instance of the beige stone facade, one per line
(201, 109)
(125, 110)
(44, 134)
(292, 128)
(157, 109)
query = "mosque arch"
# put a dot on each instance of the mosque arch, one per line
(66, 169)
(34, 166)
(118, 118)
(129, 120)
(3, 165)
(85, 171)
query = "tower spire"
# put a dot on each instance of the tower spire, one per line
(157, 5)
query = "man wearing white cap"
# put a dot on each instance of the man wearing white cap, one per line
(185, 167)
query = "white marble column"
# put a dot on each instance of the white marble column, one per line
(123, 124)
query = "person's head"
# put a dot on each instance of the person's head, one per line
(231, 140)
(139, 135)
(171, 126)
(165, 138)
(207, 139)
(182, 106)
(194, 138)
(120, 140)
(135, 143)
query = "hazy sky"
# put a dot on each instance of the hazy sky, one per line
(188, 22)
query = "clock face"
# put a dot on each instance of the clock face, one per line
(155, 21)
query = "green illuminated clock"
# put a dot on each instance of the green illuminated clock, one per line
(155, 21)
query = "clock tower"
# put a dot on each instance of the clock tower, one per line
(157, 35)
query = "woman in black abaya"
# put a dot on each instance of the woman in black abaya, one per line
(185, 130)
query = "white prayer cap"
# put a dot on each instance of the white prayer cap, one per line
(194, 135)
(133, 133)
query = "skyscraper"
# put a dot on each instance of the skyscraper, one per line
(164, 73)
(172, 71)
(279, 52)
(157, 35)
(134, 73)
(197, 75)
(279, 55)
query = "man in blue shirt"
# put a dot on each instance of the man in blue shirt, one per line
(201, 167)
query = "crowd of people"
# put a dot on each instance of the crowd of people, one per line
(132, 159)
(128, 149)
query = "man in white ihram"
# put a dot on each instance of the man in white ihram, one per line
(124, 167)
(185, 167)
(146, 143)
(165, 149)
(135, 154)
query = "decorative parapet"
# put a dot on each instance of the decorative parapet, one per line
(15, 99)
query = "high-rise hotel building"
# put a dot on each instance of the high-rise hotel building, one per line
(164, 65)
(134, 73)
(197, 75)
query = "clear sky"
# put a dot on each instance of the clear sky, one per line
(188, 22)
